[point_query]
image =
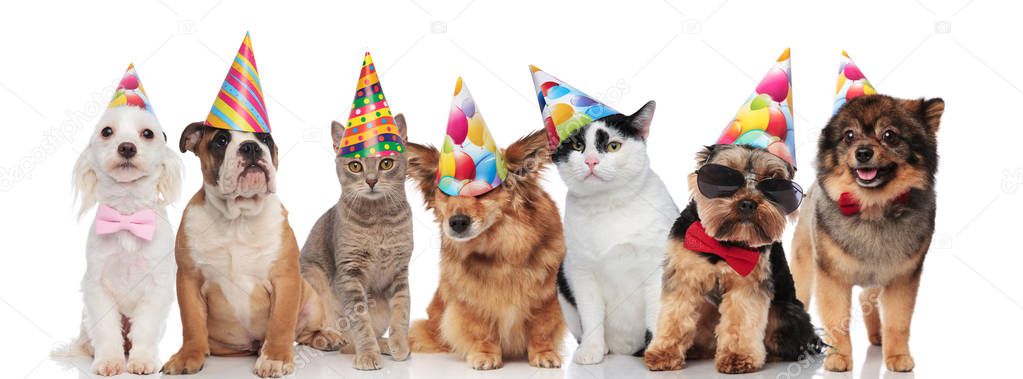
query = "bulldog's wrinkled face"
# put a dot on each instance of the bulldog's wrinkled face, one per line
(238, 166)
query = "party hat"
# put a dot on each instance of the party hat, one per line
(470, 162)
(765, 119)
(239, 104)
(130, 92)
(851, 83)
(370, 131)
(564, 108)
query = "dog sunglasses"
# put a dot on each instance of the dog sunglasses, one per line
(716, 181)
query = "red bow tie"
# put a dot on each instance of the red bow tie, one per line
(742, 260)
(849, 206)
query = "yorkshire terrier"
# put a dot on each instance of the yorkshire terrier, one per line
(727, 291)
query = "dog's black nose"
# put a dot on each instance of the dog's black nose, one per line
(459, 223)
(864, 154)
(126, 150)
(747, 206)
(250, 150)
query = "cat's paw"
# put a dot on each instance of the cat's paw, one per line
(368, 361)
(398, 348)
(484, 361)
(589, 354)
(108, 366)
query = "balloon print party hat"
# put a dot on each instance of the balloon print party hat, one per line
(564, 108)
(765, 119)
(239, 104)
(470, 164)
(370, 130)
(851, 83)
(129, 92)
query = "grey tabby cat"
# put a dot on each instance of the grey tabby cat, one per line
(357, 256)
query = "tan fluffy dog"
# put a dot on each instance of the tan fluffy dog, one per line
(497, 294)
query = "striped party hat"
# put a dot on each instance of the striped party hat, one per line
(851, 83)
(129, 92)
(470, 163)
(564, 108)
(765, 119)
(239, 104)
(370, 131)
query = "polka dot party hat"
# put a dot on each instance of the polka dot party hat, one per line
(370, 130)
(470, 164)
(765, 119)
(239, 104)
(129, 92)
(851, 83)
(564, 108)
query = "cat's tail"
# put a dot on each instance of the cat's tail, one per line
(791, 335)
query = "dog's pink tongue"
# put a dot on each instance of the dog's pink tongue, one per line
(866, 174)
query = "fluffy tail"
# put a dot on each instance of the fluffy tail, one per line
(790, 335)
(75, 348)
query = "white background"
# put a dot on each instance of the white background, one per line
(698, 59)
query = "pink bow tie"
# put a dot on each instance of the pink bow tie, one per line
(142, 223)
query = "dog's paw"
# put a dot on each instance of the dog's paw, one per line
(663, 360)
(589, 354)
(838, 362)
(484, 361)
(183, 362)
(273, 367)
(142, 365)
(108, 366)
(368, 361)
(398, 348)
(323, 340)
(732, 363)
(875, 338)
(899, 363)
(546, 359)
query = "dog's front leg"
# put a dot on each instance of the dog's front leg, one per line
(277, 356)
(590, 300)
(195, 343)
(897, 302)
(834, 297)
(676, 322)
(355, 311)
(398, 300)
(147, 325)
(740, 342)
(103, 323)
(545, 328)
(468, 328)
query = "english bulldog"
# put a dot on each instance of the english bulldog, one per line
(238, 281)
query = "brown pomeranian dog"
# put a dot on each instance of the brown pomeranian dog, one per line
(500, 253)
(727, 292)
(868, 221)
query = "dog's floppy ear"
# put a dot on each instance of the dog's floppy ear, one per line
(527, 157)
(84, 182)
(643, 117)
(399, 121)
(929, 111)
(191, 136)
(422, 167)
(169, 184)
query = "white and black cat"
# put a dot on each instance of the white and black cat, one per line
(617, 217)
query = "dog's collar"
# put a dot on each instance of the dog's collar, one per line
(849, 206)
(694, 237)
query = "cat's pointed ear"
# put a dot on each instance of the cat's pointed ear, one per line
(336, 132)
(643, 117)
(399, 121)
(422, 168)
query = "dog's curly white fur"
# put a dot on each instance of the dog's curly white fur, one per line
(128, 285)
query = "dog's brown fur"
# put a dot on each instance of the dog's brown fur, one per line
(497, 294)
(839, 251)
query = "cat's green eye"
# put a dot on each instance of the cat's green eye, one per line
(355, 167)
(578, 145)
(386, 164)
(614, 146)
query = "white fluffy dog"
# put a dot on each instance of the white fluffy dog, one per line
(128, 287)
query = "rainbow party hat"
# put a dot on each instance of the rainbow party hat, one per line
(564, 108)
(765, 119)
(129, 92)
(851, 83)
(239, 104)
(370, 131)
(470, 162)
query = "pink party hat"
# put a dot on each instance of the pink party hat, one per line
(470, 164)
(765, 119)
(564, 108)
(129, 92)
(851, 83)
(239, 104)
